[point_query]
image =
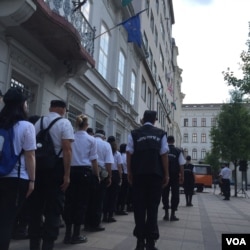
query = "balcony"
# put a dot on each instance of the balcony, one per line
(55, 26)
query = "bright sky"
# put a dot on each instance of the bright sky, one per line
(210, 35)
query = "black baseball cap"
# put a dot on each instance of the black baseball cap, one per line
(14, 95)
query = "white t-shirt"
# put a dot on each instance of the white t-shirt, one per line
(124, 163)
(117, 160)
(226, 173)
(62, 129)
(24, 138)
(104, 152)
(84, 149)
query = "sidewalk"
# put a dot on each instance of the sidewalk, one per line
(200, 227)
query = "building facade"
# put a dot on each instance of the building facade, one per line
(196, 123)
(78, 51)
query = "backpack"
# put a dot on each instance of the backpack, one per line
(8, 158)
(46, 156)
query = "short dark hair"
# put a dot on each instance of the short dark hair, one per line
(188, 158)
(170, 139)
(149, 116)
(58, 103)
(90, 131)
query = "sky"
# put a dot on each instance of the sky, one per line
(210, 36)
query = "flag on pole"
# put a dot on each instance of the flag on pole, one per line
(126, 2)
(173, 105)
(133, 27)
(170, 88)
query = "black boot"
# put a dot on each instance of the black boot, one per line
(166, 216)
(190, 201)
(77, 238)
(187, 201)
(48, 244)
(68, 234)
(173, 217)
(140, 244)
(150, 245)
(35, 244)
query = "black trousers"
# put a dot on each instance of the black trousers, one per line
(77, 195)
(123, 194)
(110, 199)
(226, 188)
(147, 191)
(47, 200)
(12, 197)
(95, 207)
(173, 185)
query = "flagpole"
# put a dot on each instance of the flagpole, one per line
(106, 31)
(119, 24)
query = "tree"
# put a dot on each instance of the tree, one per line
(231, 137)
(213, 159)
(241, 84)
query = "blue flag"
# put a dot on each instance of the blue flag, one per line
(126, 2)
(133, 27)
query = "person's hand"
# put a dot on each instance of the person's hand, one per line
(130, 178)
(109, 181)
(165, 181)
(66, 181)
(181, 180)
(30, 189)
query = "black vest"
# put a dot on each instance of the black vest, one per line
(173, 161)
(146, 158)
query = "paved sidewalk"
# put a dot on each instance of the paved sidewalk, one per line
(200, 227)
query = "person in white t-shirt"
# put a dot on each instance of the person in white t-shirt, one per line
(17, 185)
(225, 177)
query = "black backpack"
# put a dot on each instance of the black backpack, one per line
(46, 156)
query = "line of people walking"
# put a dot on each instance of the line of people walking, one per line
(91, 181)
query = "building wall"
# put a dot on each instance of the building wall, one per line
(199, 112)
(27, 62)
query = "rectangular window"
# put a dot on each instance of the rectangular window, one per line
(98, 126)
(152, 22)
(185, 138)
(132, 89)
(121, 67)
(194, 137)
(185, 122)
(203, 137)
(203, 154)
(156, 37)
(161, 59)
(72, 114)
(203, 122)
(213, 122)
(143, 89)
(194, 122)
(194, 154)
(103, 52)
(149, 98)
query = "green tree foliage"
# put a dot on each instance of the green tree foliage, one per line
(213, 159)
(243, 84)
(231, 137)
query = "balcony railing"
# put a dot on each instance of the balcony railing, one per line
(65, 8)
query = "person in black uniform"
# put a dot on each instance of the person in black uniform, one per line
(176, 175)
(147, 164)
(188, 183)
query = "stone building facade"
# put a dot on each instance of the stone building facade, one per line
(76, 51)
